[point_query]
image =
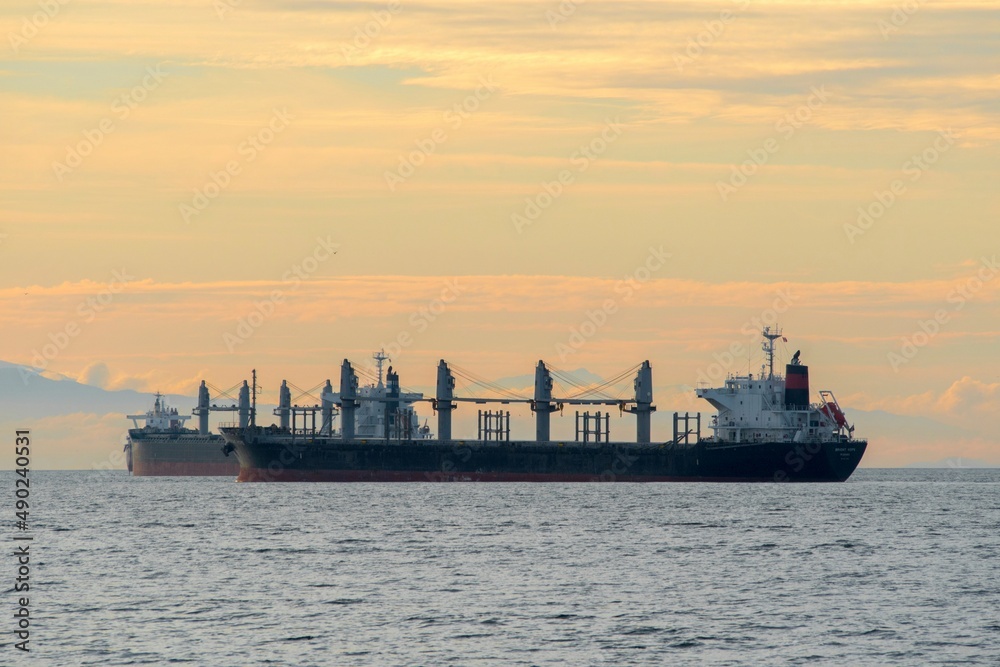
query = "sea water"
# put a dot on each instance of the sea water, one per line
(891, 567)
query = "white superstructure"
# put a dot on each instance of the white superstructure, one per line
(160, 418)
(772, 408)
(370, 416)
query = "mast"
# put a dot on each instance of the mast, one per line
(203, 408)
(771, 336)
(284, 403)
(442, 400)
(644, 407)
(380, 359)
(542, 405)
(253, 404)
(348, 400)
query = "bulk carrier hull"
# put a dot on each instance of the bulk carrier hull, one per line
(179, 454)
(278, 457)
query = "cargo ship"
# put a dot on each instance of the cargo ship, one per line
(163, 446)
(765, 430)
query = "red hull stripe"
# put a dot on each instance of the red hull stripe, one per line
(258, 475)
(184, 469)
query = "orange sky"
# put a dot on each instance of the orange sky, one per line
(170, 168)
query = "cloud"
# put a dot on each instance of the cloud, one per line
(394, 293)
(159, 335)
(96, 374)
(100, 374)
(969, 396)
(686, 128)
(969, 401)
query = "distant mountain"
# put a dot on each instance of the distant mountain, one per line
(580, 376)
(26, 394)
(34, 371)
(954, 462)
(29, 395)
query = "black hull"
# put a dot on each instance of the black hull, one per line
(266, 456)
(179, 454)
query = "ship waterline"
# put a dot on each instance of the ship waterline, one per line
(269, 459)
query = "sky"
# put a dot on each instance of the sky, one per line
(193, 189)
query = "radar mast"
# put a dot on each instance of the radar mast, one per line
(380, 360)
(771, 335)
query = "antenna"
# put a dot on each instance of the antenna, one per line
(380, 359)
(768, 347)
(253, 405)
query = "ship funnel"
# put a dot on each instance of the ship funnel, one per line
(442, 403)
(203, 399)
(796, 387)
(244, 405)
(284, 404)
